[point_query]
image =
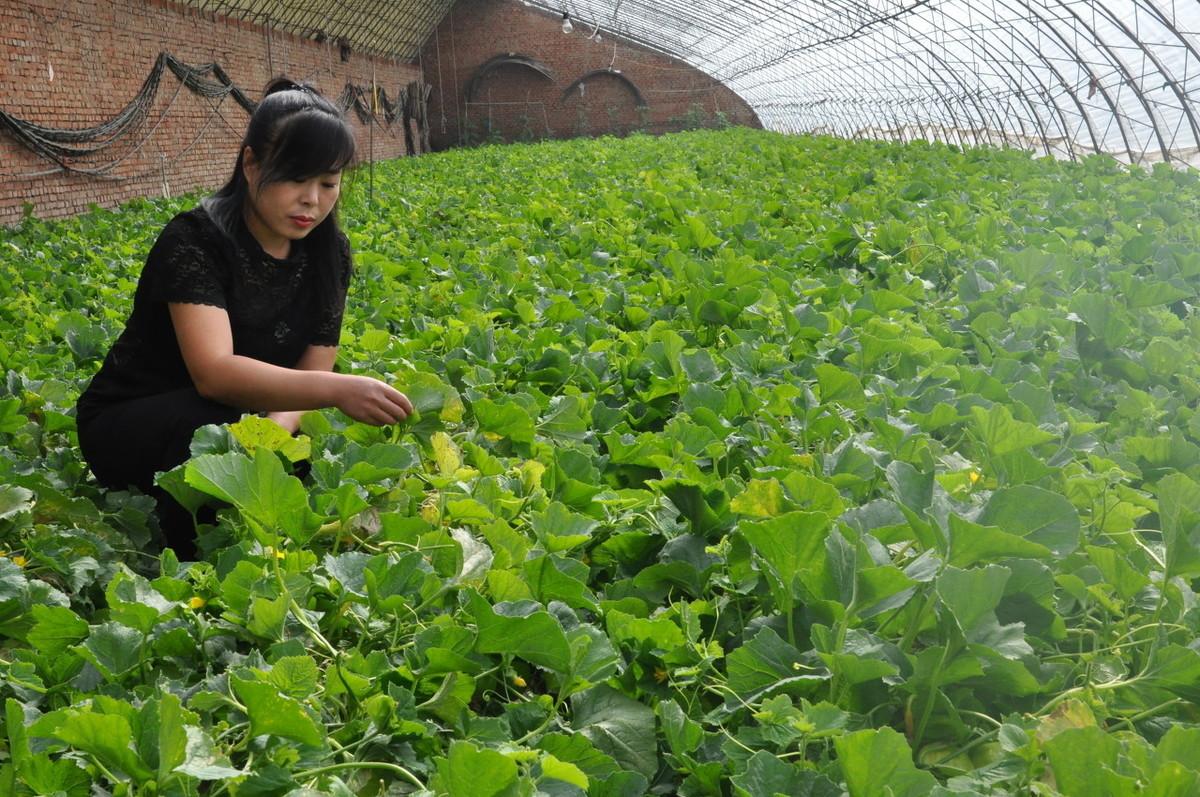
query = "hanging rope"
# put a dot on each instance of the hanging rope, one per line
(65, 146)
(358, 98)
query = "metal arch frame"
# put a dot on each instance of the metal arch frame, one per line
(1067, 48)
(942, 102)
(1047, 97)
(1066, 86)
(1120, 65)
(1017, 88)
(868, 43)
(1162, 70)
(888, 44)
(999, 63)
(502, 60)
(394, 30)
(1029, 104)
(611, 73)
(1047, 84)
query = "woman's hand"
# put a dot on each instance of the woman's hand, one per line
(289, 420)
(369, 400)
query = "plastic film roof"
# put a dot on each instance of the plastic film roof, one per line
(1061, 77)
(395, 28)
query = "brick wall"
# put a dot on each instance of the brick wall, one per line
(76, 63)
(515, 102)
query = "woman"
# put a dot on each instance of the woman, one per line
(238, 309)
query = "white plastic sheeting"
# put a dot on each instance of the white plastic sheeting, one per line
(1061, 77)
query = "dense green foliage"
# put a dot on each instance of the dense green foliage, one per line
(745, 465)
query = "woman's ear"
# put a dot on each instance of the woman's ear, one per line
(250, 168)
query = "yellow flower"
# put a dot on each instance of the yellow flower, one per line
(974, 476)
(518, 682)
(19, 561)
(280, 555)
(660, 675)
(197, 603)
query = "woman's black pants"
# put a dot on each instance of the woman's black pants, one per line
(126, 443)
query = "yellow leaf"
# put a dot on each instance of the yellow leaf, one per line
(762, 498)
(445, 454)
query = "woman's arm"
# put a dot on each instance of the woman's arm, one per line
(206, 343)
(315, 358)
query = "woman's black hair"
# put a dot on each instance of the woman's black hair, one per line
(295, 134)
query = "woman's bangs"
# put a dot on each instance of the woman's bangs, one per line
(312, 143)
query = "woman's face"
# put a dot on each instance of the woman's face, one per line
(281, 212)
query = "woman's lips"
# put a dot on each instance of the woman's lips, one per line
(302, 221)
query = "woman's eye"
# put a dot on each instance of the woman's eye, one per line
(330, 185)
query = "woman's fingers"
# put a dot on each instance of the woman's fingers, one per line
(377, 402)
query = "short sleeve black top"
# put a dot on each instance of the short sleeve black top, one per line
(277, 307)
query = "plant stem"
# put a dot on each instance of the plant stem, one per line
(394, 768)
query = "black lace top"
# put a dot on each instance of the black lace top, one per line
(276, 307)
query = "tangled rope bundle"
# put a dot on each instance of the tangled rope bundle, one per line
(77, 150)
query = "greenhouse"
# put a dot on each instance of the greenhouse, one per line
(481, 398)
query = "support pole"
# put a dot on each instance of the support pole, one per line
(374, 104)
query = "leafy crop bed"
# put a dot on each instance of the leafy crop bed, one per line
(745, 465)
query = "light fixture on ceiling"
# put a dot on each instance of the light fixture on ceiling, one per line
(567, 27)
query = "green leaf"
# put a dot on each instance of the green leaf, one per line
(1036, 514)
(1181, 745)
(683, 735)
(840, 387)
(1175, 669)
(1179, 513)
(707, 510)
(259, 488)
(791, 549)
(172, 736)
(506, 419)
(14, 500)
(971, 543)
(55, 629)
(767, 664)
(113, 649)
(267, 617)
(555, 578)
(1103, 316)
(553, 769)
(61, 778)
(619, 726)
(201, 760)
(468, 771)
(523, 630)
(768, 776)
(449, 702)
(1084, 761)
(913, 488)
(560, 529)
(18, 739)
(295, 676)
(272, 713)
(1117, 571)
(1002, 434)
(107, 737)
(972, 595)
(879, 763)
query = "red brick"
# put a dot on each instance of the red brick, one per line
(514, 102)
(102, 51)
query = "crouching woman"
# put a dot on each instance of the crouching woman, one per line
(238, 309)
